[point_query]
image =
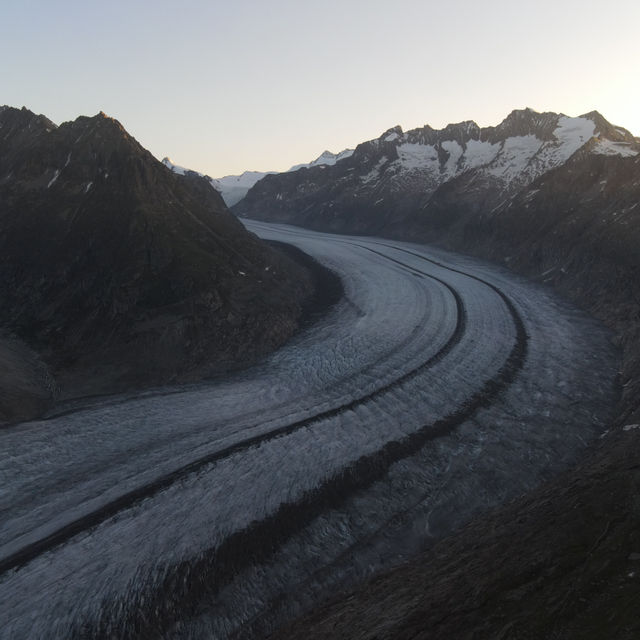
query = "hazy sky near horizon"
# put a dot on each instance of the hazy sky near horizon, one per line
(222, 87)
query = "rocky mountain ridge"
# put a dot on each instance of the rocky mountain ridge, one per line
(118, 272)
(383, 186)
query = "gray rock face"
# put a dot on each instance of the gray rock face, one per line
(121, 273)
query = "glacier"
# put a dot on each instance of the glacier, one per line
(438, 387)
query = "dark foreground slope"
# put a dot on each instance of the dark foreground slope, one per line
(563, 562)
(119, 273)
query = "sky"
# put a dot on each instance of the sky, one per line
(223, 87)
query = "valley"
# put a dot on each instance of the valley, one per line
(320, 321)
(229, 507)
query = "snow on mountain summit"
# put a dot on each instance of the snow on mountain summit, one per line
(525, 145)
(166, 161)
(396, 176)
(326, 158)
(234, 187)
(509, 156)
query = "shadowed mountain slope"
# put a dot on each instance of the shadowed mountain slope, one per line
(120, 273)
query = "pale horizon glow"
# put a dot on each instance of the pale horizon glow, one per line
(225, 87)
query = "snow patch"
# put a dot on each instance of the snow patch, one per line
(454, 150)
(571, 134)
(391, 137)
(479, 153)
(174, 167)
(418, 156)
(421, 156)
(55, 177)
(515, 155)
(609, 148)
(527, 157)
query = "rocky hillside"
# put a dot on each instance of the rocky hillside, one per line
(119, 273)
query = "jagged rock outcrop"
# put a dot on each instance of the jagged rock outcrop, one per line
(120, 273)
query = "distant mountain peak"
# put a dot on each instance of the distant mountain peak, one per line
(326, 158)
(391, 134)
(467, 125)
(102, 121)
(593, 115)
(604, 129)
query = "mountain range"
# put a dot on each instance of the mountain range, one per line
(392, 184)
(235, 187)
(116, 272)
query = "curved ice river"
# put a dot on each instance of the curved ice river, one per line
(437, 387)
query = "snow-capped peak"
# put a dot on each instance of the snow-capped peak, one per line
(326, 158)
(521, 148)
(166, 161)
(234, 187)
